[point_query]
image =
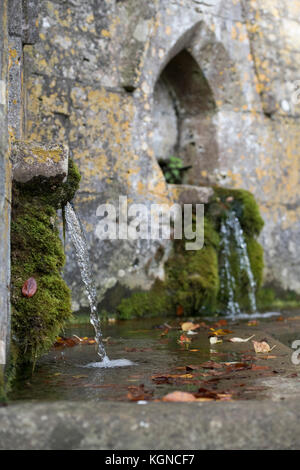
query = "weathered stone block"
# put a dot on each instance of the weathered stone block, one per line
(188, 194)
(30, 159)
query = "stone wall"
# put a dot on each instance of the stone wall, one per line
(226, 69)
(5, 190)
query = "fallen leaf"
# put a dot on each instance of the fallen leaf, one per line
(184, 339)
(253, 323)
(204, 393)
(137, 393)
(262, 347)
(179, 397)
(215, 340)
(179, 310)
(189, 326)
(240, 340)
(255, 367)
(165, 332)
(237, 366)
(65, 342)
(220, 323)
(211, 365)
(29, 288)
(220, 332)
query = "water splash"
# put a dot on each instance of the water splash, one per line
(107, 363)
(231, 230)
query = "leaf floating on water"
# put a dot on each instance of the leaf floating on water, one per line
(71, 342)
(205, 394)
(137, 393)
(189, 326)
(179, 311)
(179, 397)
(65, 342)
(211, 365)
(255, 367)
(184, 339)
(29, 288)
(262, 347)
(222, 322)
(240, 340)
(220, 332)
(215, 340)
(234, 367)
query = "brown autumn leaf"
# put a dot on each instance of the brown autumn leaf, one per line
(179, 311)
(206, 394)
(61, 341)
(262, 347)
(29, 288)
(138, 392)
(178, 396)
(220, 323)
(184, 339)
(253, 323)
(237, 366)
(220, 332)
(171, 376)
(210, 365)
(255, 367)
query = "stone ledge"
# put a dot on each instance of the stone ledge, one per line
(107, 425)
(188, 194)
(31, 159)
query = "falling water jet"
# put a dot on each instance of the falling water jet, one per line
(231, 228)
(76, 232)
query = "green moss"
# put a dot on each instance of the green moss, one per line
(272, 297)
(244, 205)
(191, 282)
(192, 278)
(37, 251)
(145, 304)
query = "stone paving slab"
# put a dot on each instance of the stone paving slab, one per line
(232, 425)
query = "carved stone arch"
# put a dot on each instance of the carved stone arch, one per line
(186, 95)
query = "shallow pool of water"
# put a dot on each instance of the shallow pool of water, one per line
(147, 348)
(62, 374)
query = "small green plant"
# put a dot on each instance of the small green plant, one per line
(173, 170)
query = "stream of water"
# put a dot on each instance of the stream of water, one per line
(231, 230)
(78, 238)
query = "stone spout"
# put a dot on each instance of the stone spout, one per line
(31, 159)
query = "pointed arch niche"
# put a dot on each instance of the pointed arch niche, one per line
(183, 114)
